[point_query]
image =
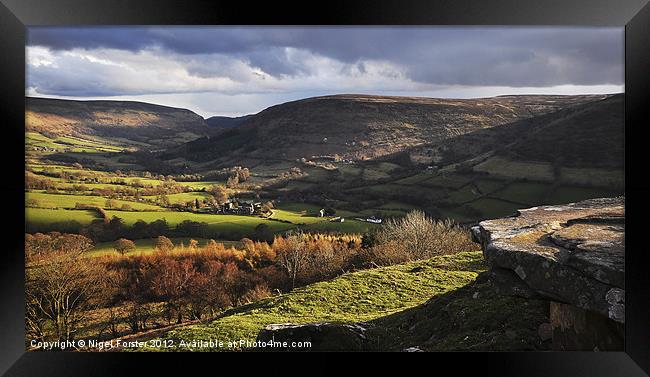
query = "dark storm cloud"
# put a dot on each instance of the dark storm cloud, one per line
(504, 56)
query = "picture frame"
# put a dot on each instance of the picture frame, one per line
(16, 15)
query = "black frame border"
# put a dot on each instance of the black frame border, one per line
(633, 14)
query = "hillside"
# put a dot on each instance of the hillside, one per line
(589, 134)
(120, 122)
(436, 296)
(224, 123)
(362, 127)
(369, 155)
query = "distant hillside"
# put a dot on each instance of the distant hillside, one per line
(154, 125)
(586, 135)
(223, 122)
(362, 127)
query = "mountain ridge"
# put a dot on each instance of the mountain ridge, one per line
(361, 127)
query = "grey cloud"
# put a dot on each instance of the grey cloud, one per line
(505, 56)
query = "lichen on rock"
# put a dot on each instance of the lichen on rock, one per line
(573, 253)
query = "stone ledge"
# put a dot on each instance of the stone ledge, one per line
(571, 253)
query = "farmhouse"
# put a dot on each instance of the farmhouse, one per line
(236, 207)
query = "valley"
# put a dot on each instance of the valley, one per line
(463, 159)
(235, 224)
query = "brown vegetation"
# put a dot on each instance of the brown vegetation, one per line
(189, 282)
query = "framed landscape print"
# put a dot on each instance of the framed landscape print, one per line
(404, 178)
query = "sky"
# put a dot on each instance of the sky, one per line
(234, 71)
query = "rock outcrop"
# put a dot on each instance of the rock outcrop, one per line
(313, 337)
(573, 254)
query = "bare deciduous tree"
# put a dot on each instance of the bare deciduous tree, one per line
(292, 255)
(60, 290)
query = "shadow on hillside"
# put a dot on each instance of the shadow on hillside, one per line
(471, 318)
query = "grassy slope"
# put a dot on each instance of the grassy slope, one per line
(46, 200)
(39, 218)
(386, 297)
(215, 222)
(470, 318)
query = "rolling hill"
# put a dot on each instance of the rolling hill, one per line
(373, 155)
(120, 122)
(363, 127)
(587, 134)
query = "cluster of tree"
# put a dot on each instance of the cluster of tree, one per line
(34, 182)
(165, 188)
(219, 192)
(120, 187)
(60, 285)
(37, 182)
(111, 204)
(194, 282)
(283, 178)
(110, 229)
(196, 177)
(242, 174)
(303, 257)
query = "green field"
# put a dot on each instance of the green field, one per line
(453, 181)
(463, 195)
(200, 185)
(523, 192)
(71, 143)
(567, 194)
(41, 219)
(302, 217)
(302, 208)
(216, 223)
(593, 177)
(487, 186)
(414, 179)
(305, 213)
(374, 174)
(298, 185)
(44, 200)
(348, 226)
(184, 197)
(231, 226)
(237, 226)
(504, 168)
(492, 208)
(350, 171)
(146, 246)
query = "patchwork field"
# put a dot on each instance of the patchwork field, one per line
(62, 220)
(68, 201)
(146, 246)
